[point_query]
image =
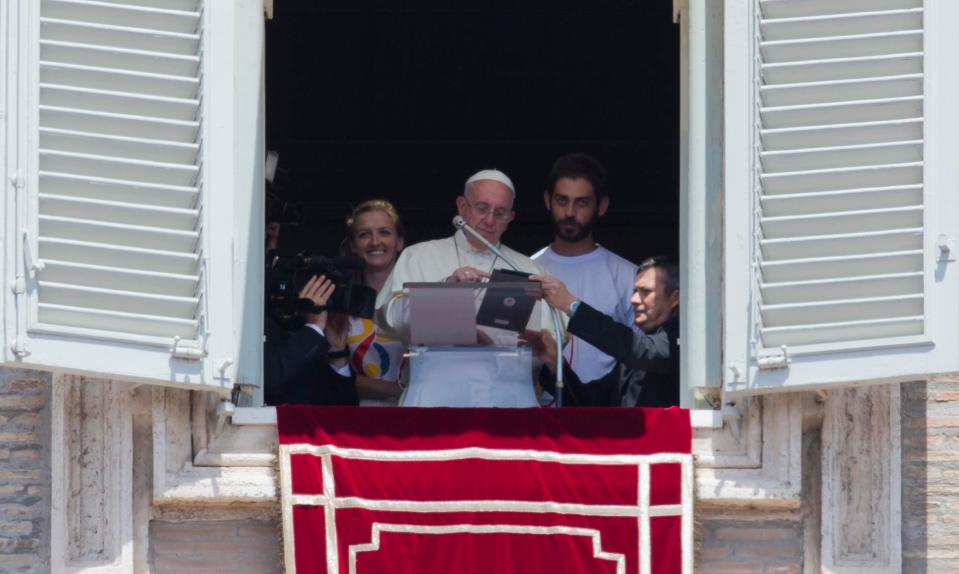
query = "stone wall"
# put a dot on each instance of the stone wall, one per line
(729, 538)
(930, 477)
(24, 472)
(745, 541)
(749, 542)
(234, 546)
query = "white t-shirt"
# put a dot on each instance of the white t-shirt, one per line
(605, 281)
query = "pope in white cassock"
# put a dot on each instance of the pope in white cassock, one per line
(487, 206)
(482, 380)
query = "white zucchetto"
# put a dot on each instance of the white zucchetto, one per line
(493, 175)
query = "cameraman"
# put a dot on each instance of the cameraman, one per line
(302, 365)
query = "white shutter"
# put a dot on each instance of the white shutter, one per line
(120, 232)
(840, 182)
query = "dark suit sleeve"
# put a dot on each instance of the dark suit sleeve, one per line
(297, 370)
(603, 392)
(342, 389)
(288, 356)
(648, 352)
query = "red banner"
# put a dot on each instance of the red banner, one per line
(371, 490)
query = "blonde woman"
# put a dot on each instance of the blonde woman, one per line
(375, 233)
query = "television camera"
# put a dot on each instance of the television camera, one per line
(287, 274)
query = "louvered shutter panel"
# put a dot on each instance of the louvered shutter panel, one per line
(119, 168)
(119, 184)
(839, 187)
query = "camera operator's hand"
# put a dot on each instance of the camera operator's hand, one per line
(318, 290)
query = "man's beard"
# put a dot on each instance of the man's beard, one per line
(580, 230)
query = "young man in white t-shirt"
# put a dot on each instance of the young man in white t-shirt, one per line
(576, 198)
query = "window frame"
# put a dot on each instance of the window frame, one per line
(701, 223)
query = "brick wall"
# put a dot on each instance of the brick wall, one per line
(24, 471)
(234, 546)
(748, 542)
(930, 477)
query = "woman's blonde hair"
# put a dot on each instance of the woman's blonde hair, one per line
(375, 205)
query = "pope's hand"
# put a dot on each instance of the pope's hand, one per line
(467, 275)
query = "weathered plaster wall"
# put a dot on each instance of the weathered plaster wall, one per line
(930, 477)
(24, 472)
(234, 546)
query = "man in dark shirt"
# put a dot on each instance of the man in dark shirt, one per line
(648, 361)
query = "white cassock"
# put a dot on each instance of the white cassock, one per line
(434, 261)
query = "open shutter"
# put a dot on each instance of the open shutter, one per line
(840, 188)
(121, 226)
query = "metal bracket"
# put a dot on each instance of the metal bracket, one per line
(243, 393)
(221, 364)
(947, 248)
(33, 265)
(736, 372)
(190, 349)
(17, 179)
(19, 285)
(774, 360)
(19, 347)
(712, 396)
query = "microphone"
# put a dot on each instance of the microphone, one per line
(460, 223)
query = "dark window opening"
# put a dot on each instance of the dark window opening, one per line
(405, 100)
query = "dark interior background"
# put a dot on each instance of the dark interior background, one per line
(406, 99)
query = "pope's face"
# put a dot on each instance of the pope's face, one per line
(488, 208)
